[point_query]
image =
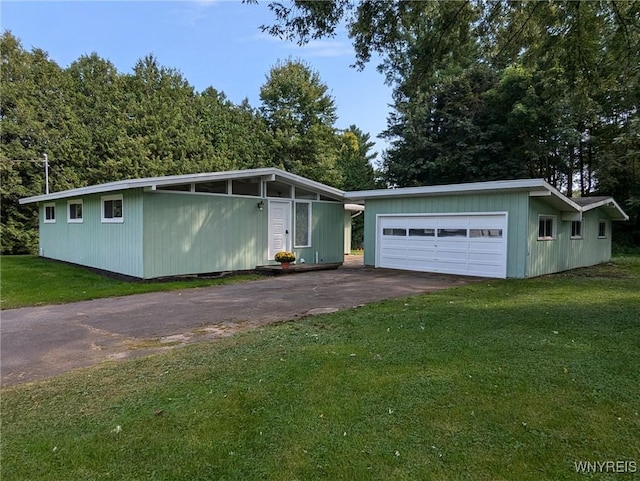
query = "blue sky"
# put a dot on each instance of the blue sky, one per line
(213, 43)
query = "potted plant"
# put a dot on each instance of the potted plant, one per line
(285, 258)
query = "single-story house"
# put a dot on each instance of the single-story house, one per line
(515, 228)
(229, 221)
(193, 224)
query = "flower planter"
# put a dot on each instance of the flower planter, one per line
(285, 265)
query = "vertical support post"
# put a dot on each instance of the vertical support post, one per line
(46, 173)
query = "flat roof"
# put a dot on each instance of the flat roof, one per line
(535, 188)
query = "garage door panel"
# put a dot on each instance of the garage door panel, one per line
(454, 244)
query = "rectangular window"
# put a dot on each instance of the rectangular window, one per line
(496, 233)
(452, 232)
(422, 232)
(576, 229)
(74, 211)
(217, 187)
(175, 188)
(305, 194)
(50, 213)
(602, 229)
(246, 187)
(394, 232)
(303, 224)
(546, 227)
(112, 209)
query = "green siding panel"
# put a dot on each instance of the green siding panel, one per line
(115, 247)
(563, 252)
(514, 203)
(327, 236)
(191, 234)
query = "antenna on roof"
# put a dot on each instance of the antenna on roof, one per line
(45, 161)
(46, 173)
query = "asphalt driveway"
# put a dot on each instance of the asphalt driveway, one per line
(39, 342)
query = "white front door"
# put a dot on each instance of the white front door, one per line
(279, 227)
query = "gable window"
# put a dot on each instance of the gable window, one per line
(74, 211)
(602, 229)
(302, 224)
(546, 227)
(576, 229)
(112, 209)
(50, 213)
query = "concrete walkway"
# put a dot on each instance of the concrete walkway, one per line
(39, 342)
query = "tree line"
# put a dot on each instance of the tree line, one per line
(99, 125)
(499, 89)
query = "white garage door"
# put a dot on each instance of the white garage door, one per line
(470, 244)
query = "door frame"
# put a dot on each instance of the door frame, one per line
(288, 223)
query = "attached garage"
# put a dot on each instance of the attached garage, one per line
(467, 244)
(517, 228)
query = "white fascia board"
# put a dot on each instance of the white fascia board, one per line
(470, 188)
(309, 184)
(537, 187)
(152, 182)
(610, 203)
(563, 198)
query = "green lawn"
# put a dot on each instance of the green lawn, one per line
(499, 380)
(32, 281)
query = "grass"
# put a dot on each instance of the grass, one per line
(499, 380)
(33, 281)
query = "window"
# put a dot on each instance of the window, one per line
(602, 229)
(485, 233)
(112, 209)
(422, 232)
(216, 187)
(303, 224)
(175, 188)
(394, 231)
(74, 211)
(576, 229)
(49, 213)
(546, 227)
(246, 187)
(305, 194)
(452, 232)
(278, 190)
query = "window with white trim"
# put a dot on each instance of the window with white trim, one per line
(602, 229)
(74, 211)
(50, 213)
(546, 227)
(302, 236)
(112, 209)
(576, 229)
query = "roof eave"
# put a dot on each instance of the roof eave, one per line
(469, 188)
(187, 178)
(615, 211)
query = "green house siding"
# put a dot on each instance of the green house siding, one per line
(563, 252)
(191, 234)
(115, 247)
(514, 203)
(327, 235)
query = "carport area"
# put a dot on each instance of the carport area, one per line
(40, 342)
